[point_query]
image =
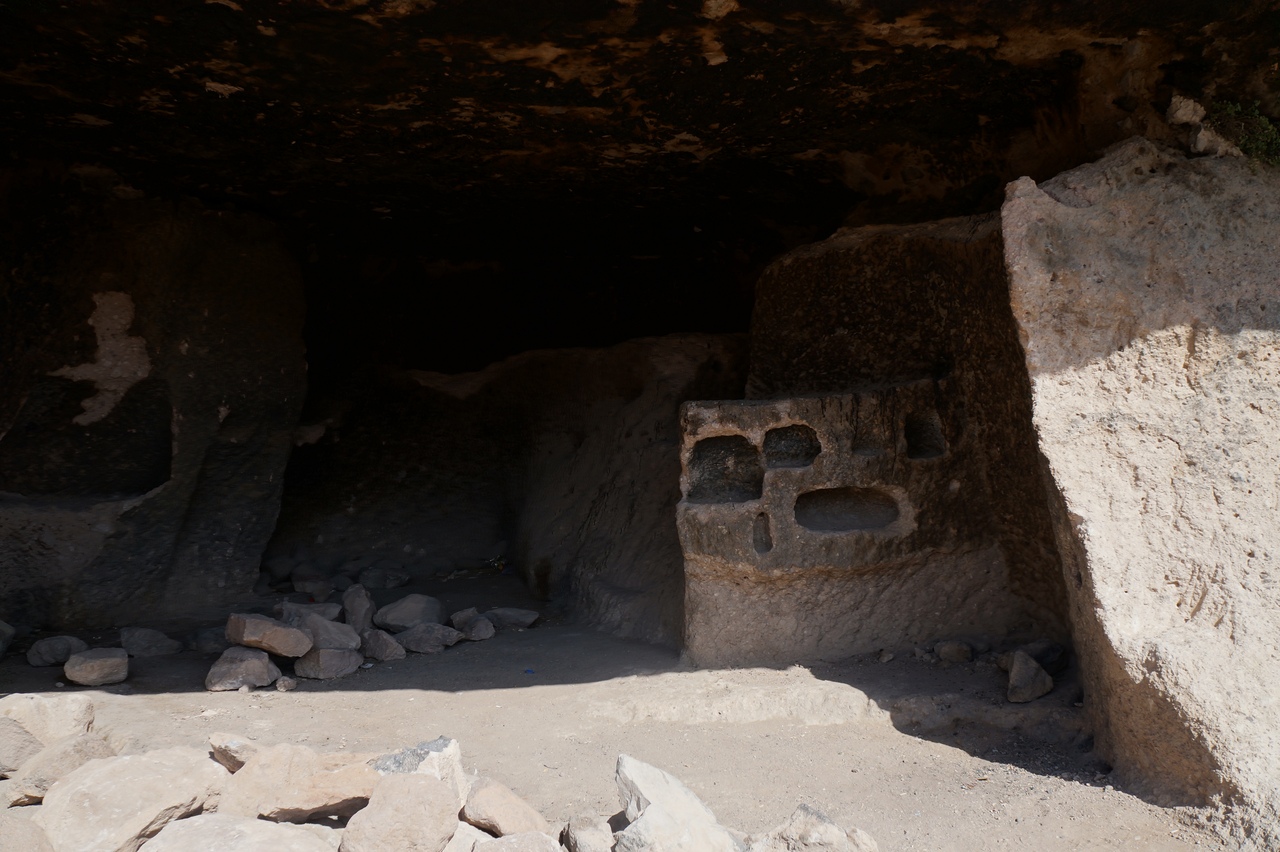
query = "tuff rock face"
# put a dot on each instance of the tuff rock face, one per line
(1145, 290)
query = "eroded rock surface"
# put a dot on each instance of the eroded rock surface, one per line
(1145, 290)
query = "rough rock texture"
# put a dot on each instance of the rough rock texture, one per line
(54, 650)
(511, 618)
(328, 634)
(239, 666)
(17, 746)
(528, 841)
(145, 642)
(358, 608)
(564, 460)
(147, 409)
(465, 838)
(664, 813)
(1027, 679)
(885, 460)
(114, 805)
(640, 785)
(7, 632)
(232, 750)
(410, 611)
(49, 718)
(97, 666)
(428, 638)
(226, 833)
(259, 631)
(809, 830)
(32, 780)
(587, 833)
(919, 101)
(20, 834)
(292, 783)
(379, 645)
(492, 806)
(327, 663)
(413, 813)
(656, 828)
(1145, 290)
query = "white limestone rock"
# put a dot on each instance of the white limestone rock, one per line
(19, 834)
(1145, 291)
(217, 832)
(292, 783)
(117, 804)
(494, 807)
(232, 750)
(32, 780)
(413, 813)
(49, 718)
(809, 830)
(17, 746)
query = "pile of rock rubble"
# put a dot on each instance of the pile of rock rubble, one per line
(68, 791)
(324, 641)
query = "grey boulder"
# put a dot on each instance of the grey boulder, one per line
(97, 667)
(54, 650)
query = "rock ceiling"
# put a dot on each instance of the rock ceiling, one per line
(394, 108)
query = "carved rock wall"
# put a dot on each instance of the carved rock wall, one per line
(153, 375)
(894, 348)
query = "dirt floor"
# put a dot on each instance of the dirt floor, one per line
(922, 756)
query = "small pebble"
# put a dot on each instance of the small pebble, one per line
(285, 684)
(366, 665)
(245, 690)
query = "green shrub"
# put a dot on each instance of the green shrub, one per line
(1250, 130)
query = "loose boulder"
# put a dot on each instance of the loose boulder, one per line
(327, 663)
(276, 637)
(492, 806)
(54, 650)
(232, 750)
(144, 642)
(379, 645)
(117, 804)
(17, 746)
(32, 780)
(219, 832)
(410, 611)
(465, 838)
(326, 634)
(49, 718)
(413, 813)
(239, 666)
(358, 608)
(810, 830)
(511, 618)
(20, 834)
(1145, 291)
(292, 783)
(97, 667)
(587, 833)
(428, 638)
(1027, 680)
(529, 841)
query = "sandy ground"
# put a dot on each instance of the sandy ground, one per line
(924, 757)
